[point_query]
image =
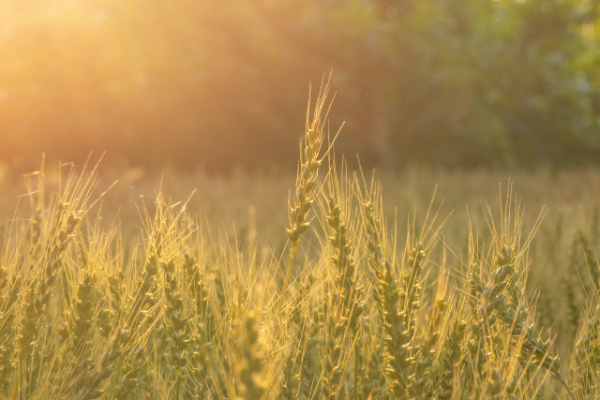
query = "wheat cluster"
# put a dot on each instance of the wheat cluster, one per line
(366, 312)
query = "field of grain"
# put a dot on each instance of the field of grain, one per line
(332, 284)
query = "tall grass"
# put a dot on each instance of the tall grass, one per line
(356, 309)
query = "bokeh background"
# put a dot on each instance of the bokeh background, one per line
(222, 84)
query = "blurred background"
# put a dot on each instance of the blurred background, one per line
(224, 84)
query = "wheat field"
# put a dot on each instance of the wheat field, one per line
(333, 284)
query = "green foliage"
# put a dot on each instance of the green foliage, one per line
(452, 82)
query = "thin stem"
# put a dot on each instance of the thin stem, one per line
(356, 355)
(287, 276)
(566, 386)
(178, 384)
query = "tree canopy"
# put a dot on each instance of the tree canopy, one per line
(447, 82)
